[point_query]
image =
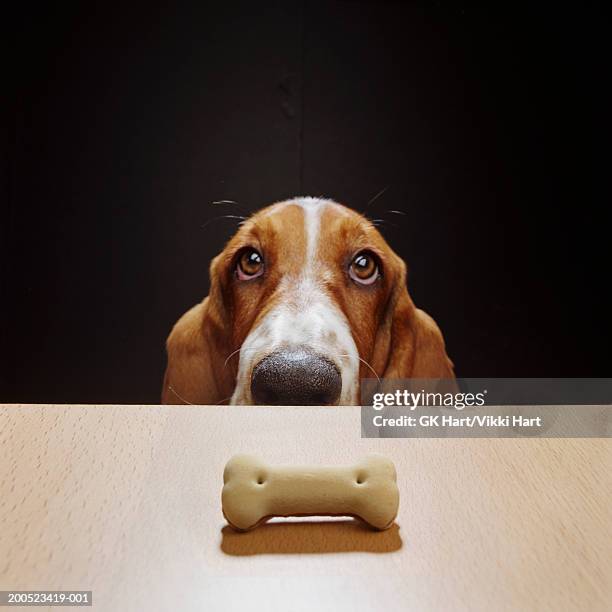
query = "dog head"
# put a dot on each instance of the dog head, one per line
(305, 299)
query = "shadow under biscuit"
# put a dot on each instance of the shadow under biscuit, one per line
(300, 537)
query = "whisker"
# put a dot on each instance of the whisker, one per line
(371, 368)
(230, 356)
(365, 363)
(234, 217)
(179, 396)
(398, 212)
(238, 351)
(223, 400)
(384, 222)
(380, 193)
(190, 404)
(242, 207)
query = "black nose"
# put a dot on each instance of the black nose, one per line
(295, 377)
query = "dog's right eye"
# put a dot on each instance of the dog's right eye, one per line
(250, 264)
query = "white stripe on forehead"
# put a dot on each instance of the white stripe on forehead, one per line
(312, 223)
(313, 208)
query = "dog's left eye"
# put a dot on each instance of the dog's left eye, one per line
(364, 268)
(250, 264)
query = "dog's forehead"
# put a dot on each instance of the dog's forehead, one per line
(310, 220)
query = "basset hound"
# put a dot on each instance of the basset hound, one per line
(305, 300)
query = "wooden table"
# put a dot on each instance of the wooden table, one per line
(125, 501)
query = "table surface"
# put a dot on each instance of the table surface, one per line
(125, 501)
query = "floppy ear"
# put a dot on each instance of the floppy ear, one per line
(430, 358)
(416, 346)
(197, 348)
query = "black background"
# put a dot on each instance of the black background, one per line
(125, 123)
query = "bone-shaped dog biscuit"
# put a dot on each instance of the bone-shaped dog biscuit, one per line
(253, 491)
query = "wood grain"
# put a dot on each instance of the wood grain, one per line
(125, 500)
